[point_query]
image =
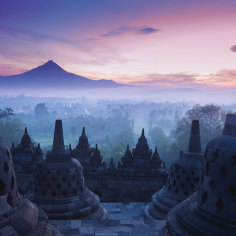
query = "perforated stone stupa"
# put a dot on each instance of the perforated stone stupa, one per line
(25, 155)
(58, 185)
(18, 216)
(212, 210)
(183, 178)
(90, 158)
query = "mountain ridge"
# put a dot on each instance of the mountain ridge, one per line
(51, 75)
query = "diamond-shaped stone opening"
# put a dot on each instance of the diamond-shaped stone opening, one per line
(232, 190)
(204, 197)
(207, 167)
(9, 199)
(12, 182)
(176, 190)
(220, 204)
(6, 167)
(2, 187)
(202, 179)
(53, 179)
(223, 171)
(48, 185)
(196, 179)
(233, 159)
(205, 153)
(58, 185)
(187, 178)
(186, 193)
(8, 153)
(212, 184)
(182, 185)
(215, 155)
(177, 169)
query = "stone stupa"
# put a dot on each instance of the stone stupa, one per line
(212, 210)
(58, 185)
(18, 216)
(183, 178)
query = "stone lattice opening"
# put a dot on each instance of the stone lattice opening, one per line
(8, 153)
(2, 187)
(223, 171)
(212, 184)
(204, 197)
(12, 182)
(215, 155)
(220, 204)
(207, 167)
(232, 190)
(186, 193)
(233, 159)
(9, 199)
(6, 167)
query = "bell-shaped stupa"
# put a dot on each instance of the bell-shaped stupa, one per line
(18, 216)
(212, 210)
(58, 185)
(183, 178)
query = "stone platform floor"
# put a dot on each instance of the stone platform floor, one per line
(125, 219)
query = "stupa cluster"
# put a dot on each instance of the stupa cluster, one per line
(199, 197)
(25, 155)
(139, 167)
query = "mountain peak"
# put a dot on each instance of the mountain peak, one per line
(49, 66)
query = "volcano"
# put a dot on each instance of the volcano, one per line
(52, 76)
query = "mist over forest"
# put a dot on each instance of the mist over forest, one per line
(112, 124)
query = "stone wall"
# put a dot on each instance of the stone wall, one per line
(113, 188)
(125, 188)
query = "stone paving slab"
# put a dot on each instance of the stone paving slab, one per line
(131, 224)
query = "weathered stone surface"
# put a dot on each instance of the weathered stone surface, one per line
(212, 209)
(183, 179)
(138, 176)
(18, 216)
(58, 185)
(116, 225)
(24, 156)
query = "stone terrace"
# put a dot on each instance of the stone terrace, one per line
(125, 219)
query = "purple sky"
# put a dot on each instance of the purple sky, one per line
(149, 42)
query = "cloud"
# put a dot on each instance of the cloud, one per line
(147, 30)
(28, 34)
(220, 79)
(233, 48)
(130, 29)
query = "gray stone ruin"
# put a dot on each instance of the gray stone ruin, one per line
(58, 185)
(183, 178)
(212, 210)
(18, 216)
